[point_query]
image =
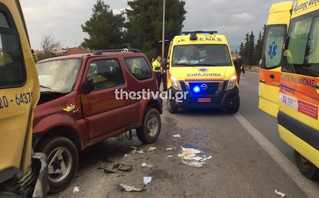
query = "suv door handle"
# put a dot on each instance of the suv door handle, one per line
(262, 81)
(272, 76)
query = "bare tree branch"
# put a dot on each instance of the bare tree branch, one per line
(49, 43)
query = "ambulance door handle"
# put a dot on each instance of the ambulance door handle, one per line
(272, 76)
(262, 81)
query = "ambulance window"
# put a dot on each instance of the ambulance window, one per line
(12, 69)
(301, 56)
(274, 41)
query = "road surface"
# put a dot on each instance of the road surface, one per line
(248, 157)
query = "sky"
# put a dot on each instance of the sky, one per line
(63, 18)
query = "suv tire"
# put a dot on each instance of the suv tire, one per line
(62, 157)
(151, 127)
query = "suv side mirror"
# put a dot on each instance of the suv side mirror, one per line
(88, 85)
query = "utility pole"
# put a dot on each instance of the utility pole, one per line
(163, 31)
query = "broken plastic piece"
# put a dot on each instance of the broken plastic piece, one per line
(280, 193)
(197, 158)
(76, 189)
(151, 149)
(147, 180)
(188, 153)
(169, 149)
(193, 163)
(170, 156)
(177, 136)
(140, 151)
(126, 155)
(131, 188)
(190, 146)
(147, 165)
(119, 167)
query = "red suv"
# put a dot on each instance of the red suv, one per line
(87, 98)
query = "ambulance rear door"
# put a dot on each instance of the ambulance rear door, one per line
(269, 76)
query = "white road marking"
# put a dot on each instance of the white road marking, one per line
(309, 187)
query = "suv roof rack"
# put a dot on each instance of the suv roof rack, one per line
(205, 32)
(99, 52)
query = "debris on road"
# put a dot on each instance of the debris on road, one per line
(177, 136)
(147, 180)
(280, 193)
(206, 158)
(170, 156)
(169, 149)
(130, 188)
(140, 152)
(119, 167)
(190, 146)
(193, 163)
(76, 189)
(151, 149)
(147, 165)
(188, 153)
(126, 155)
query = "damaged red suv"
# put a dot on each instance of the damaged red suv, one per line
(81, 104)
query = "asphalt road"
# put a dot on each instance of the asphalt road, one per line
(248, 157)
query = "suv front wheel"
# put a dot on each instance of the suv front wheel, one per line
(63, 161)
(151, 127)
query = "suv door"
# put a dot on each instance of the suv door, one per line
(104, 112)
(269, 76)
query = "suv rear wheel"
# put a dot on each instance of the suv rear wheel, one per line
(63, 161)
(151, 127)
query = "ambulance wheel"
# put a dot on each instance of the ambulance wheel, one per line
(306, 167)
(63, 161)
(151, 127)
(171, 106)
(234, 106)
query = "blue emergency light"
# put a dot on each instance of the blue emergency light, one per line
(196, 89)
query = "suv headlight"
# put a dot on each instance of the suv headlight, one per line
(175, 83)
(231, 83)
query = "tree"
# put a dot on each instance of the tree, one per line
(251, 49)
(258, 48)
(144, 26)
(105, 29)
(48, 44)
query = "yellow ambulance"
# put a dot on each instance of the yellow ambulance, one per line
(20, 173)
(298, 91)
(200, 69)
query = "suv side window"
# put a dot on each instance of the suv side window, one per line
(138, 68)
(105, 74)
(12, 67)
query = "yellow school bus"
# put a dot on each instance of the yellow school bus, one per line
(201, 70)
(298, 98)
(19, 94)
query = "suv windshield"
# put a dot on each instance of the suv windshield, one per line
(201, 55)
(59, 75)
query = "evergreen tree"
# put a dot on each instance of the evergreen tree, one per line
(258, 48)
(144, 26)
(104, 28)
(251, 49)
